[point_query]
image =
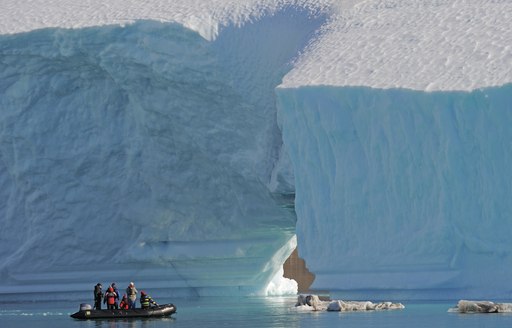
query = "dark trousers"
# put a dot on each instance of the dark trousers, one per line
(97, 304)
(112, 306)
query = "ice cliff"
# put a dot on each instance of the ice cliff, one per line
(397, 121)
(145, 152)
(144, 141)
(412, 189)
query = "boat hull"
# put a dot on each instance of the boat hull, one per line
(163, 310)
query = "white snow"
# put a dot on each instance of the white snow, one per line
(414, 44)
(205, 17)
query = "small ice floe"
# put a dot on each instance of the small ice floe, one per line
(347, 306)
(464, 306)
(313, 302)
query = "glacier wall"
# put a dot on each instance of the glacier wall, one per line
(402, 193)
(145, 153)
(152, 152)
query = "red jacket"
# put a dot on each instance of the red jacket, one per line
(110, 298)
(123, 304)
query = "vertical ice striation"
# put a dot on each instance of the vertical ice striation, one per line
(402, 190)
(397, 122)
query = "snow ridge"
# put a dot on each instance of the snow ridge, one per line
(415, 44)
(205, 17)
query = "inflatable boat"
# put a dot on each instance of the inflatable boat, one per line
(86, 312)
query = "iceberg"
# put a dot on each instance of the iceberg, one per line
(396, 121)
(146, 153)
(163, 143)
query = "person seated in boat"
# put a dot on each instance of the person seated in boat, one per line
(146, 301)
(111, 299)
(124, 303)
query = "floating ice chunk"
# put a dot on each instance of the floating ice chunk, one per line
(280, 285)
(334, 306)
(348, 306)
(464, 306)
(314, 302)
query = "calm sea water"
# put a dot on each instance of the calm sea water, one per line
(271, 312)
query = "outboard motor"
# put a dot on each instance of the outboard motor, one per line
(85, 306)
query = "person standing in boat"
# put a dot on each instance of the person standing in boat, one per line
(146, 301)
(131, 291)
(98, 296)
(110, 299)
(114, 287)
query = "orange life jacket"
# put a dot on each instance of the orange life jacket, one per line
(111, 298)
(123, 305)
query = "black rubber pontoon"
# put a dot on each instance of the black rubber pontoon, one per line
(163, 310)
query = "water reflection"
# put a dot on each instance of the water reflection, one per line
(130, 323)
